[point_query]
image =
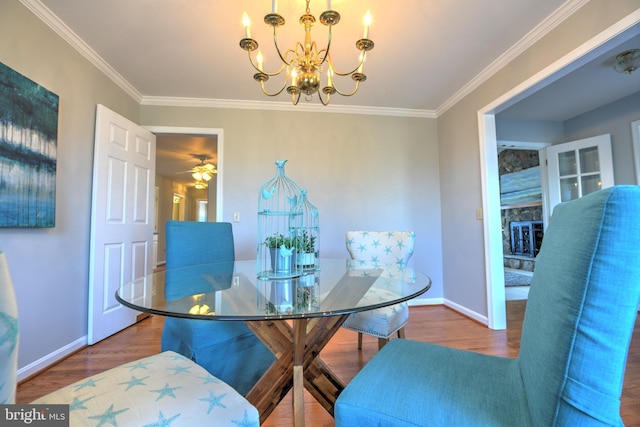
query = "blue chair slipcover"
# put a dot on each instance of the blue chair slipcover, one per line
(372, 249)
(577, 328)
(162, 389)
(227, 349)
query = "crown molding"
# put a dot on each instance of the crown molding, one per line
(539, 31)
(49, 18)
(552, 21)
(57, 25)
(284, 106)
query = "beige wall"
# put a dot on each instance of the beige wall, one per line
(458, 139)
(50, 267)
(362, 172)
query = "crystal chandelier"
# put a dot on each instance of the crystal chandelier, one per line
(301, 66)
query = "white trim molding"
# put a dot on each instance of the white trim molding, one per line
(57, 25)
(635, 135)
(494, 269)
(48, 360)
(483, 320)
(284, 106)
(551, 22)
(220, 163)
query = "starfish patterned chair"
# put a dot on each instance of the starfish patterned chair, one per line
(228, 350)
(163, 389)
(373, 249)
(577, 328)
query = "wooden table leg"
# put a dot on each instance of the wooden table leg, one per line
(321, 382)
(297, 364)
(276, 382)
(299, 335)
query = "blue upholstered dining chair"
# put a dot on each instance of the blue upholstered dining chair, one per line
(372, 249)
(577, 328)
(157, 390)
(227, 349)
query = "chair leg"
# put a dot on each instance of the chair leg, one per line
(401, 333)
(382, 342)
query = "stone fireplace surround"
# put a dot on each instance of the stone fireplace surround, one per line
(518, 262)
(512, 161)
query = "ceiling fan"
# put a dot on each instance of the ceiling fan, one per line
(203, 172)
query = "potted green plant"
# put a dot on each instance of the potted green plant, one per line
(283, 251)
(306, 246)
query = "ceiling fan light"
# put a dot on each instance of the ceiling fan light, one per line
(627, 61)
(197, 175)
(200, 185)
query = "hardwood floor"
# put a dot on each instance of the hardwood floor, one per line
(435, 324)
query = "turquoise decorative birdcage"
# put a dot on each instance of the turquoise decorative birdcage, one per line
(306, 224)
(278, 229)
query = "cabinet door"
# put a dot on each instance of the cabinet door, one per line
(578, 168)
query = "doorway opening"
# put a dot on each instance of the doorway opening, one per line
(177, 211)
(179, 151)
(493, 250)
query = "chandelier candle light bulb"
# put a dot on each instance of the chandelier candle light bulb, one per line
(260, 59)
(246, 22)
(367, 24)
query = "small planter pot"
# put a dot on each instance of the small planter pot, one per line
(282, 294)
(282, 260)
(306, 260)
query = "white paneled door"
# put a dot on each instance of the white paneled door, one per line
(122, 219)
(578, 168)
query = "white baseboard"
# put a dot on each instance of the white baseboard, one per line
(452, 305)
(425, 301)
(465, 311)
(51, 358)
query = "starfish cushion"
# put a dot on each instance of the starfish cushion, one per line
(160, 390)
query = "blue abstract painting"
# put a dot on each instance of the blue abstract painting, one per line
(28, 152)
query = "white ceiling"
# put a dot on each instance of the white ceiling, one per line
(425, 50)
(587, 84)
(176, 155)
(428, 53)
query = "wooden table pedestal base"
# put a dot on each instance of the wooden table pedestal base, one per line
(297, 364)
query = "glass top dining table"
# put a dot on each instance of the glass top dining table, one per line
(232, 291)
(294, 317)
